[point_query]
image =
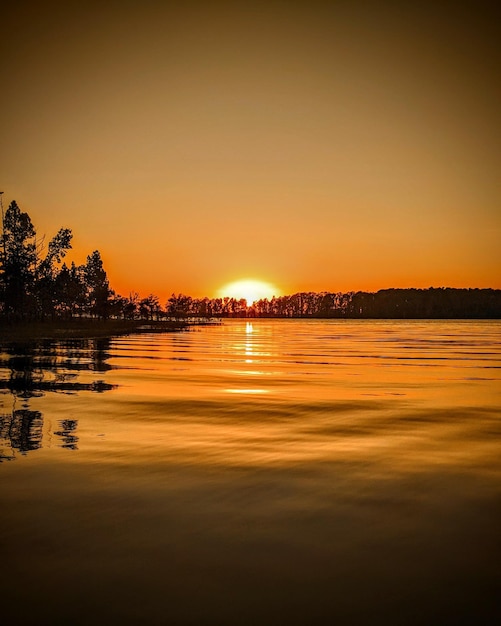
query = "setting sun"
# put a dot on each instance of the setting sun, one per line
(251, 290)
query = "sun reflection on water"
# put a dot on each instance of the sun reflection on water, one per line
(250, 391)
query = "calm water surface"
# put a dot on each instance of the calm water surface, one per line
(264, 472)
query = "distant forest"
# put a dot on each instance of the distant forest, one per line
(36, 284)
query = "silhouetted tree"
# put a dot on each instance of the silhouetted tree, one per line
(70, 291)
(179, 307)
(97, 285)
(19, 257)
(46, 281)
(149, 307)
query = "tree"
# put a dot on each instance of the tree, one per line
(179, 306)
(131, 306)
(58, 245)
(149, 307)
(97, 286)
(46, 273)
(70, 292)
(18, 263)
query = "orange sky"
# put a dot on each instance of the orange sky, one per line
(355, 146)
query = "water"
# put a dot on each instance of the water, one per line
(264, 472)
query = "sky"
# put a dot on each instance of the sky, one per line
(318, 146)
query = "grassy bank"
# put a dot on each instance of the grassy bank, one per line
(83, 328)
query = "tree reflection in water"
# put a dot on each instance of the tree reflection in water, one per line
(21, 431)
(31, 370)
(67, 434)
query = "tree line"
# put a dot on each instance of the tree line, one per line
(36, 284)
(432, 303)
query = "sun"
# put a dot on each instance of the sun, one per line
(250, 290)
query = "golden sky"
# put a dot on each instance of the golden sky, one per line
(315, 145)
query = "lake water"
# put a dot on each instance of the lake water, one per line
(257, 472)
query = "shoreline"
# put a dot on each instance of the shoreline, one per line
(85, 329)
